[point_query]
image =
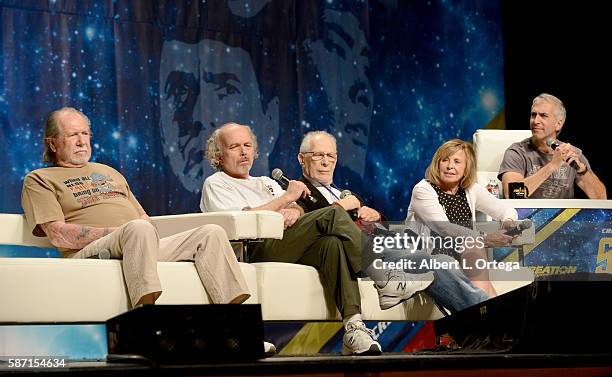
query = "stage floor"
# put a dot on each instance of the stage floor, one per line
(422, 364)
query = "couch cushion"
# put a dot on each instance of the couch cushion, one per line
(182, 284)
(89, 290)
(290, 291)
(294, 292)
(55, 289)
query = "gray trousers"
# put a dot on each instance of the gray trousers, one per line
(139, 245)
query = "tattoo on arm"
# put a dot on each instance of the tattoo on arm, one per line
(73, 236)
(84, 232)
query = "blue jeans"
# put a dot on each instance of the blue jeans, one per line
(450, 289)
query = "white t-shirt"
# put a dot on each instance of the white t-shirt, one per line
(224, 193)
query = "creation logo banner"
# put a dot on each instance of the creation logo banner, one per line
(570, 243)
(391, 80)
(553, 244)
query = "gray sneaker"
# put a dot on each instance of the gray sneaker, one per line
(358, 340)
(401, 286)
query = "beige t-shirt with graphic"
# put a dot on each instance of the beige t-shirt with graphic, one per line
(94, 195)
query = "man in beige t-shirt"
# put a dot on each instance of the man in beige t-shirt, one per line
(85, 208)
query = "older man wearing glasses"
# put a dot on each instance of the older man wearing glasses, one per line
(318, 156)
(326, 238)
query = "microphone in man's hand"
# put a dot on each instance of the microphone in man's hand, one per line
(354, 213)
(345, 193)
(519, 228)
(278, 175)
(554, 144)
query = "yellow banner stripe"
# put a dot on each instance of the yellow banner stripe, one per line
(545, 232)
(311, 338)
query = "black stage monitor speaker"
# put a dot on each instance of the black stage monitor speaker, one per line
(543, 317)
(188, 334)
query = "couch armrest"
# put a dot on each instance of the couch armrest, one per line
(270, 224)
(14, 230)
(239, 225)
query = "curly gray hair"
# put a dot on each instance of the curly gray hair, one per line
(213, 150)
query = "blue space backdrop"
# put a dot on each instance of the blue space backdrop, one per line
(391, 79)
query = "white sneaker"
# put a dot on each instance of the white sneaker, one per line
(358, 340)
(401, 286)
(269, 349)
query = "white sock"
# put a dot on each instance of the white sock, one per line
(353, 318)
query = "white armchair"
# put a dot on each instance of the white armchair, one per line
(490, 146)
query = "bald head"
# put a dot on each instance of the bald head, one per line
(318, 156)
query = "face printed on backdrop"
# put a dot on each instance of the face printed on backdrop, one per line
(204, 86)
(342, 61)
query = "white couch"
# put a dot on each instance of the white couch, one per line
(68, 290)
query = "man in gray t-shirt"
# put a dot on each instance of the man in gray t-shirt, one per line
(547, 172)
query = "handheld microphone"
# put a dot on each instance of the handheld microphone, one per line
(519, 228)
(345, 193)
(278, 175)
(554, 144)
(353, 212)
(104, 254)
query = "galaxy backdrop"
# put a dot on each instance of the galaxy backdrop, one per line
(390, 79)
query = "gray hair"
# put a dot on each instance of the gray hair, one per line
(559, 111)
(213, 151)
(307, 141)
(52, 130)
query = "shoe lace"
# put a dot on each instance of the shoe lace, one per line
(353, 327)
(391, 275)
(422, 300)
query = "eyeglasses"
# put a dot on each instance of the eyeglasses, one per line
(317, 156)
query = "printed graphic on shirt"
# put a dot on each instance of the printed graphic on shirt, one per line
(88, 190)
(270, 188)
(555, 184)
